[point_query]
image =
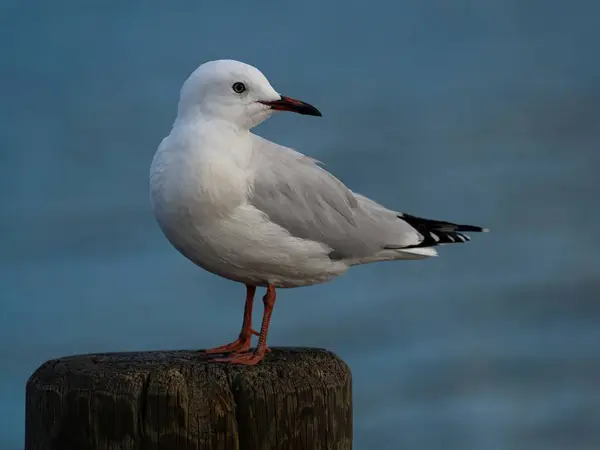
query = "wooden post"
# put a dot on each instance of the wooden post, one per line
(297, 399)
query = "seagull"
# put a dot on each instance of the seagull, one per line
(258, 213)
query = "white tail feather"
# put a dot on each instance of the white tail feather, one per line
(420, 251)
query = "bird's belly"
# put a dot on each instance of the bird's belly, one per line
(244, 246)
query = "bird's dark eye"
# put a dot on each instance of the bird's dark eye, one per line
(238, 87)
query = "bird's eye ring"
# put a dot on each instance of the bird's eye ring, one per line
(238, 87)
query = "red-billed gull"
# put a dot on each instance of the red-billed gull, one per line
(261, 214)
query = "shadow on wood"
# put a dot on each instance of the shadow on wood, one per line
(296, 399)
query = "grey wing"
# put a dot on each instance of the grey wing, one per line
(310, 203)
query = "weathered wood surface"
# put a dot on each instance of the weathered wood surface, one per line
(296, 399)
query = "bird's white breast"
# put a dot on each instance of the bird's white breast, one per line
(194, 184)
(192, 177)
(200, 200)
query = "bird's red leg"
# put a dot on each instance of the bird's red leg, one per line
(243, 342)
(252, 358)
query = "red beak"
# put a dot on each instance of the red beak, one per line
(291, 104)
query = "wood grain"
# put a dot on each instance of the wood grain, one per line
(297, 398)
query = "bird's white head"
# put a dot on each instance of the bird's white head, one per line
(234, 92)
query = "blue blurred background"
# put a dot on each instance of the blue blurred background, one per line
(480, 112)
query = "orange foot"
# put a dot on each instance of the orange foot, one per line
(245, 358)
(241, 344)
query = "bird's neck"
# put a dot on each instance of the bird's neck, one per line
(205, 140)
(202, 124)
(203, 169)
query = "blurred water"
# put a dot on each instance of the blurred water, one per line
(480, 112)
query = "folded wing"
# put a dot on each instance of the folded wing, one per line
(310, 203)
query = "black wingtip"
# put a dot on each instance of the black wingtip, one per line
(472, 228)
(439, 225)
(437, 232)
